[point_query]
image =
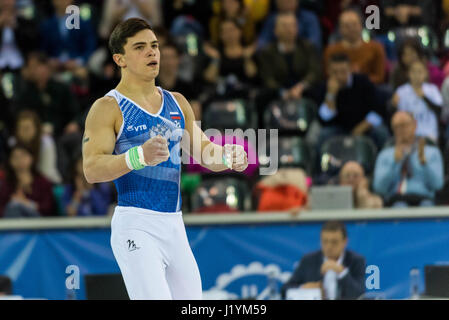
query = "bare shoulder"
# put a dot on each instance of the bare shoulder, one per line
(183, 104)
(102, 125)
(179, 98)
(104, 110)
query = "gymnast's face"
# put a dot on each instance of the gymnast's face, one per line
(142, 55)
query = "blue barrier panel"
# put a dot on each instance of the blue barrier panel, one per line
(234, 260)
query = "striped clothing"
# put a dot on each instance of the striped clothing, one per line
(155, 188)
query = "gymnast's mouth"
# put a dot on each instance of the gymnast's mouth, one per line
(152, 63)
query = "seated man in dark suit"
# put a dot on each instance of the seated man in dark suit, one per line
(349, 104)
(338, 272)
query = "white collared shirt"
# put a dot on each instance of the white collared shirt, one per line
(330, 279)
(340, 261)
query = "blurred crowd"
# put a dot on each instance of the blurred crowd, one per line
(353, 106)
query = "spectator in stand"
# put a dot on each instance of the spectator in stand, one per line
(23, 191)
(297, 66)
(18, 36)
(348, 104)
(28, 132)
(409, 172)
(308, 26)
(232, 10)
(53, 101)
(334, 8)
(232, 62)
(115, 11)
(422, 99)
(352, 174)
(405, 13)
(69, 49)
(366, 57)
(81, 198)
(169, 77)
(409, 51)
(199, 10)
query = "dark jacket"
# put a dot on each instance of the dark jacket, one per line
(80, 43)
(351, 286)
(353, 103)
(26, 36)
(277, 72)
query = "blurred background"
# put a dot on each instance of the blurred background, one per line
(361, 107)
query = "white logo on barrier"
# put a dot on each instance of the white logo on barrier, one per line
(221, 290)
(373, 280)
(73, 280)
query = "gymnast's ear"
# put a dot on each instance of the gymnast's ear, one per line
(119, 59)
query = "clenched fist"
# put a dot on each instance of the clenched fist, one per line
(236, 157)
(155, 150)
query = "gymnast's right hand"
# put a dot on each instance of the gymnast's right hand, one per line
(155, 150)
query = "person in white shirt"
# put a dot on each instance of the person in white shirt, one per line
(422, 99)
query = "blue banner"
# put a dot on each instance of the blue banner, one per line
(234, 260)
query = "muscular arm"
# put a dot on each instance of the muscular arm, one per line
(99, 141)
(196, 143)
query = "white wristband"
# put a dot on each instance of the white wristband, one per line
(135, 159)
(128, 162)
(227, 155)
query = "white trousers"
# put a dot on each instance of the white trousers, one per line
(154, 255)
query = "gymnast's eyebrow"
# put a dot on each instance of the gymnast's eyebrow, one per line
(139, 43)
(144, 43)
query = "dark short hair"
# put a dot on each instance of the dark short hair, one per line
(125, 30)
(334, 225)
(338, 58)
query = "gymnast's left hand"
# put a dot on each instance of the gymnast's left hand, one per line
(239, 159)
